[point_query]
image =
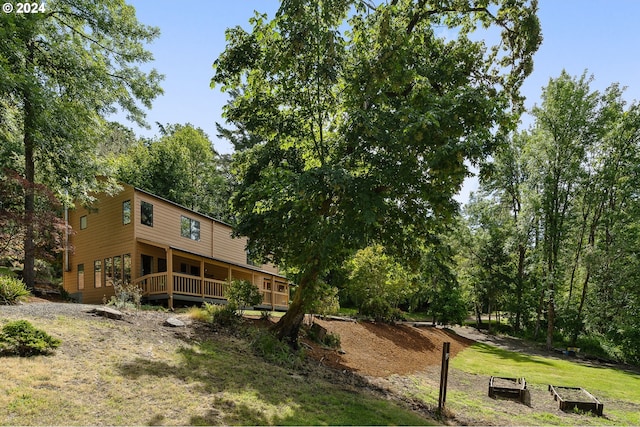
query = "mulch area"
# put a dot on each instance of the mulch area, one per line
(381, 350)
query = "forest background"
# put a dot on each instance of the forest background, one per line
(550, 238)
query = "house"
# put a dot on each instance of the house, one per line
(172, 253)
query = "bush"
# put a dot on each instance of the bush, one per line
(22, 339)
(381, 311)
(225, 316)
(127, 295)
(12, 290)
(241, 294)
(331, 340)
(327, 301)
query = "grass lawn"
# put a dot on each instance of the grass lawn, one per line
(618, 389)
(139, 373)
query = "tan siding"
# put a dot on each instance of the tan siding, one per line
(105, 236)
(227, 248)
(166, 226)
(270, 268)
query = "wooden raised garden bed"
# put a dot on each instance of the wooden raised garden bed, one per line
(510, 388)
(570, 398)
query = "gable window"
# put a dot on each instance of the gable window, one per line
(146, 214)
(83, 222)
(97, 273)
(126, 212)
(189, 228)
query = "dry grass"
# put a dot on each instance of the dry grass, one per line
(138, 372)
(86, 381)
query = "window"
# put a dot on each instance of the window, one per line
(97, 273)
(146, 214)
(80, 276)
(250, 260)
(162, 265)
(108, 272)
(189, 228)
(126, 268)
(117, 269)
(126, 212)
(83, 222)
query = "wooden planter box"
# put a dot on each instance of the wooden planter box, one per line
(510, 388)
(570, 398)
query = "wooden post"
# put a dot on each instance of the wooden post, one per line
(169, 252)
(202, 278)
(273, 290)
(444, 374)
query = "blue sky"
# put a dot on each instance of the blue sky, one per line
(601, 36)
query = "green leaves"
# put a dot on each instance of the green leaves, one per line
(21, 338)
(362, 119)
(72, 66)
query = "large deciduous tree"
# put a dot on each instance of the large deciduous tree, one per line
(181, 166)
(64, 70)
(362, 117)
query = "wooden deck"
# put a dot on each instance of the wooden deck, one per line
(187, 287)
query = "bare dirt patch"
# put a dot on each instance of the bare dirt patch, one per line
(380, 350)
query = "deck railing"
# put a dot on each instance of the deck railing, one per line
(185, 284)
(153, 284)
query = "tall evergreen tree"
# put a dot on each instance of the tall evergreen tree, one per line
(65, 69)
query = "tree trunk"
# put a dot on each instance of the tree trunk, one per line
(489, 319)
(288, 327)
(539, 315)
(29, 196)
(576, 260)
(551, 315)
(522, 250)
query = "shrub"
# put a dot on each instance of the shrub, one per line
(332, 340)
(224, 315)
(319, 334)
(327, 301)
(241, 294)
(380, 310)
(12, 290)
(22, 339)
(127, 295)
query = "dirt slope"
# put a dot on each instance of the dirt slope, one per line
(379, 350)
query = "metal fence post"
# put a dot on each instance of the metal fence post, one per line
(444, 373)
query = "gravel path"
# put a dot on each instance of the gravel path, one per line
(46, 310)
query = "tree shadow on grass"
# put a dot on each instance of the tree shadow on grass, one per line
(237, 386)
(510, 355)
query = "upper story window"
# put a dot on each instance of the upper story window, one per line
(126, 212)
(146, 214)
(83, 222)
(189, 228)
